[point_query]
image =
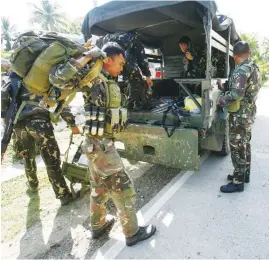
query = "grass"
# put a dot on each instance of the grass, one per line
(20, 211)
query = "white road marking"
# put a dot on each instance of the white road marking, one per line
(112, 248)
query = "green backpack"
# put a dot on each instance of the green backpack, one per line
(34, 56)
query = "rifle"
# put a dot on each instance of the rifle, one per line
(10, 119)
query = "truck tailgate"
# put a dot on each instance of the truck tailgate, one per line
(149, 143)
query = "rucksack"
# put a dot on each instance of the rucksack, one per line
(34, 56)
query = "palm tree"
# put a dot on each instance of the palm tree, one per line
(7, 31)
(48, 15)
(258, 54)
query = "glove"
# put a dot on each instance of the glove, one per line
(95, 52)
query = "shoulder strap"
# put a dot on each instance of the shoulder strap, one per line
(163, 123)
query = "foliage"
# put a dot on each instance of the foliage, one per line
(5, 54)
(7, 32)
(48, 16)
(260, 53)
(73, 27)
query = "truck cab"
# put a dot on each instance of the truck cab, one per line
(168, 133)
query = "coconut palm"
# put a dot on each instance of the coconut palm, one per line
(7, 31)
(259, 53)
(48, 15)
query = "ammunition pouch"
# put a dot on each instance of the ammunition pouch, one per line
(104, 122)
(234, 107)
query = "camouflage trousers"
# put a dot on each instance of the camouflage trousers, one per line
(40, 131)
(109, 180)
(240, 136)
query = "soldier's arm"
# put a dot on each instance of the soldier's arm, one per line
(68, 117)
(67, 73)
(193, 54)
(5, 99)
(141, 58)
(70, 120)
(237, 90)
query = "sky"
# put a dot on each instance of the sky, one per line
(248, 16)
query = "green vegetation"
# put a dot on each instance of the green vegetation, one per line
(260, 53)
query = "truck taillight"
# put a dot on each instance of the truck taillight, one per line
(158, 74)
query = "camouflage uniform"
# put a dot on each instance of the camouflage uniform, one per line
(244, 88)
(107, 175)
(197, 67)
(136, 61)
(34, 126)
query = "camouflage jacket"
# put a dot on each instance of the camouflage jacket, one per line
(244, 85)
(134, 52)
(197, 67)
(96, 95)
(194, 68)
(60, 77)
(29, 111)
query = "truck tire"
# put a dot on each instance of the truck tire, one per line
(226, 142)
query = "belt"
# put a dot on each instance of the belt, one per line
(38, 120)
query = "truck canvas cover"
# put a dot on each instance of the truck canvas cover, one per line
(154, 20)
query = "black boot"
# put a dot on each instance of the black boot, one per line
(69, 198)
(231, 187)
(247, 178)
(99, 232)
(142, 234)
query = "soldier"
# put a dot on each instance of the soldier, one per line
(34, 126)
(135, 62)
(244, 86)
(107, 174)
(194, 60)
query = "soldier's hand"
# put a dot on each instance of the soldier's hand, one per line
(95, 52)
(75, 130)
(149, 81)
(219, 83)
(4, 122)
(189, 56)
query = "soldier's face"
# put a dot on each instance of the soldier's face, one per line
(183, 47)
(240, 58)
(114, 65)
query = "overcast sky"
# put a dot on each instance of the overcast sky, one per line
(249, 16)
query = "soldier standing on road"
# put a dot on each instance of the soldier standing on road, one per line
(34, 126)
(244, 86)
(136, 61)
(107, 174)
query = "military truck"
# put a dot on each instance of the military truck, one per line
(168, 134)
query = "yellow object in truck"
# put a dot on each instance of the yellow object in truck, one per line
(190, 105)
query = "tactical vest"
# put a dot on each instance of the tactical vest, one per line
(251, 70)
(109, 120)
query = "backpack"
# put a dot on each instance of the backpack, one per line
(34, 56)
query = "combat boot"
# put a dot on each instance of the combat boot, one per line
(69, 198)
(143, 233)
(232, 187)
(247, 178)
(99, 232)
